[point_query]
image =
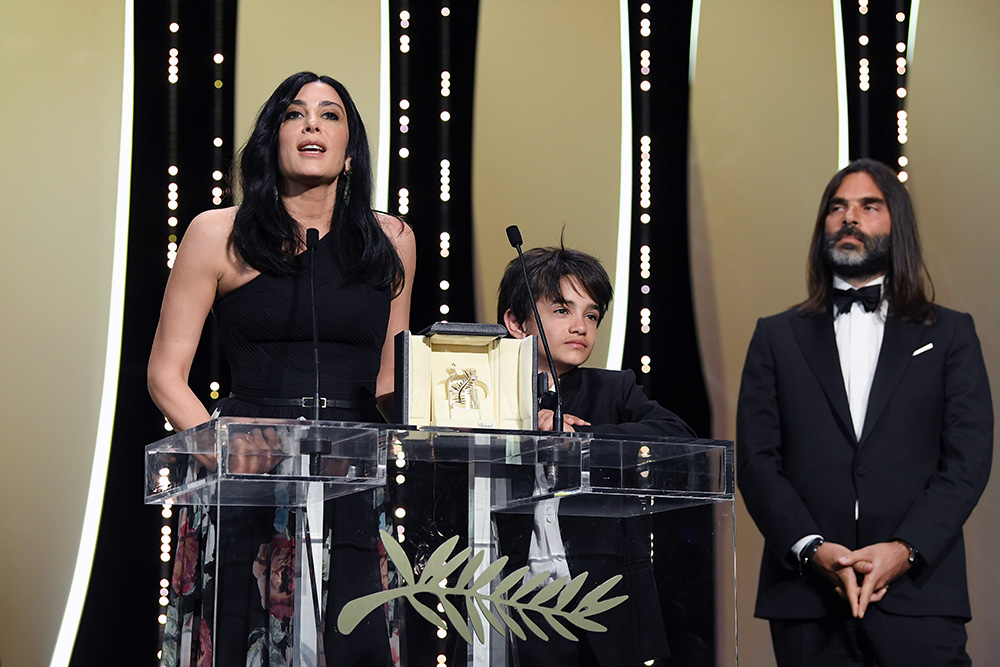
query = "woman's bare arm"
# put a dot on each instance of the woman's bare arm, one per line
(202, 261)
(399, 314)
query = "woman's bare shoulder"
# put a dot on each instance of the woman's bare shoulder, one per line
(213, 225)
(397, 230)
(391, 225)
(207, 242)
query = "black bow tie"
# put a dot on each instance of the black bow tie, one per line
(868, 297)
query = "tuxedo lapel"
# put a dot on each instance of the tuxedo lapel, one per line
(818, 343)
(898, 343)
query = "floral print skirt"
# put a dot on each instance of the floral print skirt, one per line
(233, 585)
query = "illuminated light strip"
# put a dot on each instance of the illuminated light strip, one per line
(165, 547)
(384, 112)
(843, 129)
(693, 53)
(403, 193)
(102, 449)
(911, 37)
(645, 201)
(902, 65)
(444, 190)
(619, 313)
(218, 59)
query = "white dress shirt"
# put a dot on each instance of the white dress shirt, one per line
(859, 339)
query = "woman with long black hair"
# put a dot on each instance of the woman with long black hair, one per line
(305, 166)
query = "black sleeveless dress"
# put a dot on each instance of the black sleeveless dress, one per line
(266, 331)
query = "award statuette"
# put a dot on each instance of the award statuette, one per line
(464, 390)
(467, 376)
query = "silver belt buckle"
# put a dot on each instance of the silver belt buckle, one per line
(307, 401)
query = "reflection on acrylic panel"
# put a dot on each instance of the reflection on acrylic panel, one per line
(487, 547)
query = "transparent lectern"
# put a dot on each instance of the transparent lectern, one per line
(531, 548)
(480, 541)
(237, 478)
(495, 547)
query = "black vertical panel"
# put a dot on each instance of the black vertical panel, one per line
(684, 539)
(675, 377)
(872, 114)
(436, 44)
(119, 622)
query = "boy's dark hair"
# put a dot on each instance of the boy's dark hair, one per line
(546, 269)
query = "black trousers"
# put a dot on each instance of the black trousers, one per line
(880, 639)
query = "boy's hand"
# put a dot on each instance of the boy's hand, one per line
(569, 421)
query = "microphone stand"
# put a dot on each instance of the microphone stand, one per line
(514, 236)
(315, 445)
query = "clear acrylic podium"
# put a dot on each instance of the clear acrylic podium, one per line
(638, 534)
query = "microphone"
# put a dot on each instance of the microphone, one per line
(312, 240)
(514, 236)
(314, 445)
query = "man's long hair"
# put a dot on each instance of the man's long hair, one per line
(266, 236)
(908, 285)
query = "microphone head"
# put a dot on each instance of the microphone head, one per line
(514, 236)
(312, 237)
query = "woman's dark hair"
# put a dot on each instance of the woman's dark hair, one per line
(908, 285)
(267, 237)
(546, 269)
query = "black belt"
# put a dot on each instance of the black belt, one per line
(308, 401)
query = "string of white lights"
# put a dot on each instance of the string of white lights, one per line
(444, 194)
(403, 194)
(864, 76)
(645, 189)
(403, 207)
(217, 193)
(444, 219)
(173, 194)
(901, 116)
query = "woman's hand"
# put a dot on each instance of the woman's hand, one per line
(254, 452)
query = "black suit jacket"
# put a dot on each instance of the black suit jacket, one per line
(615, 405)
(916, 473)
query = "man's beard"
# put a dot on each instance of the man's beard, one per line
(873, 259)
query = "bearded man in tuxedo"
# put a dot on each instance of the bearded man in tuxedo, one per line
(864, 441)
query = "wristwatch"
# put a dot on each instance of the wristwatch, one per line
(913, 551)
(808, 551)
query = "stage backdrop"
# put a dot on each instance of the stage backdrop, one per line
(271, 44)
(60, 127)
(763, 146)
(546, 136)
(954, 151)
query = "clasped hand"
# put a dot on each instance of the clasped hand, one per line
(569, 421)
(254, 452)
(862, 576)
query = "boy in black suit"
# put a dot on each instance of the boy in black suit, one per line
(573, 292)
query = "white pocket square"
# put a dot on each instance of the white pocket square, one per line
(921, 350)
